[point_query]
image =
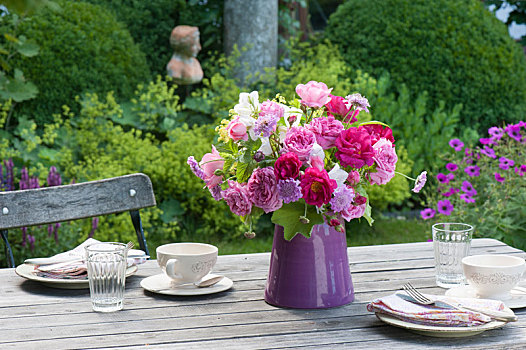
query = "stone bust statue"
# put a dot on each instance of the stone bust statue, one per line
(183, 66)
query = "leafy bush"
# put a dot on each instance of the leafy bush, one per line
(457, 51)
(82, 48)
(484, 186)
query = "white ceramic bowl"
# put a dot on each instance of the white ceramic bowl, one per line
(493, 276)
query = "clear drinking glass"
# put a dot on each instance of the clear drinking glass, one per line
(107, 275)
(451, 242)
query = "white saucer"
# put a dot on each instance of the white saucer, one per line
(162, 284)
(440, 331)
(516, 301)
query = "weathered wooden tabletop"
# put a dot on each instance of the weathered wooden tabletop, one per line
(34, 316)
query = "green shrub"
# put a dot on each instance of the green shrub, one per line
(150, 24)
(82, 48)
(457, 51)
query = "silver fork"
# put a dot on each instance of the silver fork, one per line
(424, 300)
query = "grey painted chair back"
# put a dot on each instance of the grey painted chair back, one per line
(76, 201)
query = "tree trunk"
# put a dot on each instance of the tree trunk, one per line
(252, 26)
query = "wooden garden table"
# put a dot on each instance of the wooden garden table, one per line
(34, 316)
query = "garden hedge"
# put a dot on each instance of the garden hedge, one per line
(82, 48)
(457, 51)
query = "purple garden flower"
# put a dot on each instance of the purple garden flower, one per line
(456, 144)
(196, 169)
(505, 163)
(467, 198)
(266, 124)
(420, 182)
(342, 199)
(488, 152)
(451, 166)
(445, 207)
(521, 170)
(216, 192)
(442, 178)
(359, 102)
(496, 132)
(499, 177)
(289, 190)
(451, 192)
(514, 131)
(472, 170)
(427, 213)
(468, 188)
(53, 178)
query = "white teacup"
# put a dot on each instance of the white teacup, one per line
(186, 262)
(493, 276)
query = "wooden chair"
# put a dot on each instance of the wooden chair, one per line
(76, 201)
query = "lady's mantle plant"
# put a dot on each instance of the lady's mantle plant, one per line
(486, 185)
(308, 161)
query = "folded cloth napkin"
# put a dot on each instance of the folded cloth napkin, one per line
(72, 264)
(397, 306)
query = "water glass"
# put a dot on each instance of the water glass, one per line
(107, 275)
(451, 242)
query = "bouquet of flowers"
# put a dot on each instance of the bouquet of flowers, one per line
(485, 185)
(308, 161)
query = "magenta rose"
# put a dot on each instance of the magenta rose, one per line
(340, 108)
(287, 166)
(263, 189)
(317, 187)
(314, 94)
(300, 141)
(377, 131)
(326, 130)
(237, 130)
(354, 148)
(236, 196)
(210, 163)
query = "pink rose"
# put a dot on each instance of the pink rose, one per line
(317, 162)
(326, 130)
(236, 196)
(263, 189)
(287, 166)
(353, 178)
(314, 94)
(377, 131)
(385, 155)
(353, 212)
(300, 141)
(272, 108)
(317, 187)
(237, 130)
(210, 163)
(340, 108)
(381, 176)
(354, 148)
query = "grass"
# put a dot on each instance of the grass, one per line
(384, 231)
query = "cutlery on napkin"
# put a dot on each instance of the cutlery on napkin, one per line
(433, 315)
(463, 304)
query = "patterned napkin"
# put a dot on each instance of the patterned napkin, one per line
(397, 306)
(72, 264)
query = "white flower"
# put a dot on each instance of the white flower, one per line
(248, 104)
(265, 146)
(339, 175)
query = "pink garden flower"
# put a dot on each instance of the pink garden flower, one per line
(381, 176)
(209, 164)
(317, 187)
(263, 189)
(377, 132)
(287, 166)
(340, 108)
(354, 148)
(299, 140)
(314, 94)
(385, 155)
(353, 212)
(237, 130)
(237, 198)
(326, 130)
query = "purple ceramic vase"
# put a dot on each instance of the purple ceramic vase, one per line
(309, 273)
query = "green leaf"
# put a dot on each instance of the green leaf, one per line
(19, 91)
(372, 122)
(171, 210)
(289, 214)
(28, 49)
(367, 214)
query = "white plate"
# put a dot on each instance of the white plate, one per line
(517, 300)
(28, 271)
(162, 284)
(440, 331)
